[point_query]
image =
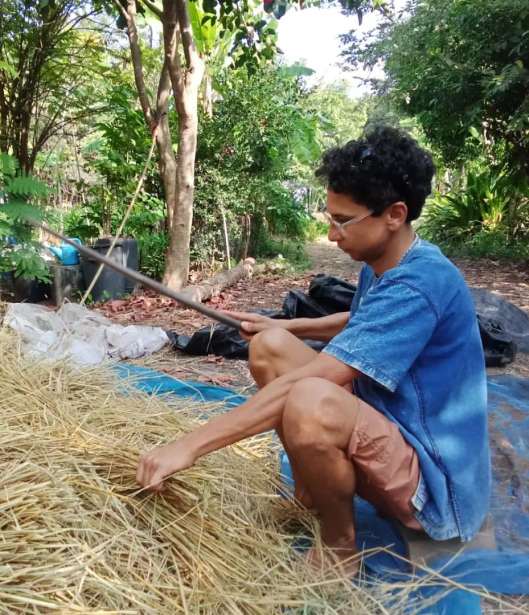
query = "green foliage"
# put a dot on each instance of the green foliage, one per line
(251, 33)
(295, 70)
(246, 155)
(493, 199)
(116, 157)
(19, 193)
(315, 229)
(487, 215)
(84, 221)
(27, 262)
(17, 189)
(284, 215)
(341, 117)
(456, 65)
(285, 251)
(153, 248)
(204, 28)
(486, 244)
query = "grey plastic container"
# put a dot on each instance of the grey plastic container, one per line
(68, 283)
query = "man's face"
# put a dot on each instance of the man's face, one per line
(364, 240)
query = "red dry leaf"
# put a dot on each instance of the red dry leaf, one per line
(116, 305)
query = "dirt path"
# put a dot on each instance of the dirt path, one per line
(327, 258)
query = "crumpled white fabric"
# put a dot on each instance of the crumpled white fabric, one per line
(86, 337)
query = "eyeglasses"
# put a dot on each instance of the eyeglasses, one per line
(341, 226)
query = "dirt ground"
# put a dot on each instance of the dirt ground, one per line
(510, 279)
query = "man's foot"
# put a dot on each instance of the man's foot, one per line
(339, 559)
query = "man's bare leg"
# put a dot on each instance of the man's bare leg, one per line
(318, 423)
(275, 352)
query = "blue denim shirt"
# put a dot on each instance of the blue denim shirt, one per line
(413, 334)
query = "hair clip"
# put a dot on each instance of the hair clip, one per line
(365, 153)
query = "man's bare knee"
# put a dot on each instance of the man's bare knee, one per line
(268, 345)
(318, 413)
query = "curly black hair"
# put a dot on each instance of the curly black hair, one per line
(380, 169)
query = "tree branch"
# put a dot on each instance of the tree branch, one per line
(137, 61)
(171, 36)
(153, 8)
(122, 10)
(186, 32)
(164, 91)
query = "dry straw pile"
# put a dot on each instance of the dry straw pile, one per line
(77, 537)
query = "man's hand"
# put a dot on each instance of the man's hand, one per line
(254, 323)
(160, 463)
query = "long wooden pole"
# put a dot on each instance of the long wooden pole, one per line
(140, 278)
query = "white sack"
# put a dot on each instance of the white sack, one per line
(74, 331)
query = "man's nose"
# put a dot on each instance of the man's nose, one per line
(334, 233)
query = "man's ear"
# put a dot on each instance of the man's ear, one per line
(396, 215)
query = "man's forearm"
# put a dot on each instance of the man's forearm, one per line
(320, 329)
(264, 410)
(261, 413)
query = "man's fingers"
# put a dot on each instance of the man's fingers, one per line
(141, 472)
(156, 481)
(244, 316)
(149, 475)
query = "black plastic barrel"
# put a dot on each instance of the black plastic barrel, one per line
(132, 258)
(32, 291)
(110, 284)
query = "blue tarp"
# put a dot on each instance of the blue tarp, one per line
(505, 570)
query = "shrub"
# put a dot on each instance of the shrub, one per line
(314, 229)
(486, 243)
(494, 203)
(19, 196)
(153, 247)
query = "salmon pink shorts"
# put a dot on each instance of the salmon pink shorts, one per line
(387, 466)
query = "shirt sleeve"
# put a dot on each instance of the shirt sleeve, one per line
(386, 333)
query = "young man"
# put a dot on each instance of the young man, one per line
(410, 433)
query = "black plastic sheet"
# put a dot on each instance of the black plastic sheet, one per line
(502, 325)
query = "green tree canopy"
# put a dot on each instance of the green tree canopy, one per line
(456, 65)
(52, 59)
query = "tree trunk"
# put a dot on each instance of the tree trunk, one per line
(186, 83)
(177, 263)
(226, 238)
(166, 157)
(178, 174)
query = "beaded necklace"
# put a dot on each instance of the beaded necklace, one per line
(415, 242)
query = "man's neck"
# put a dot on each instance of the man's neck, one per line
(395, 251)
